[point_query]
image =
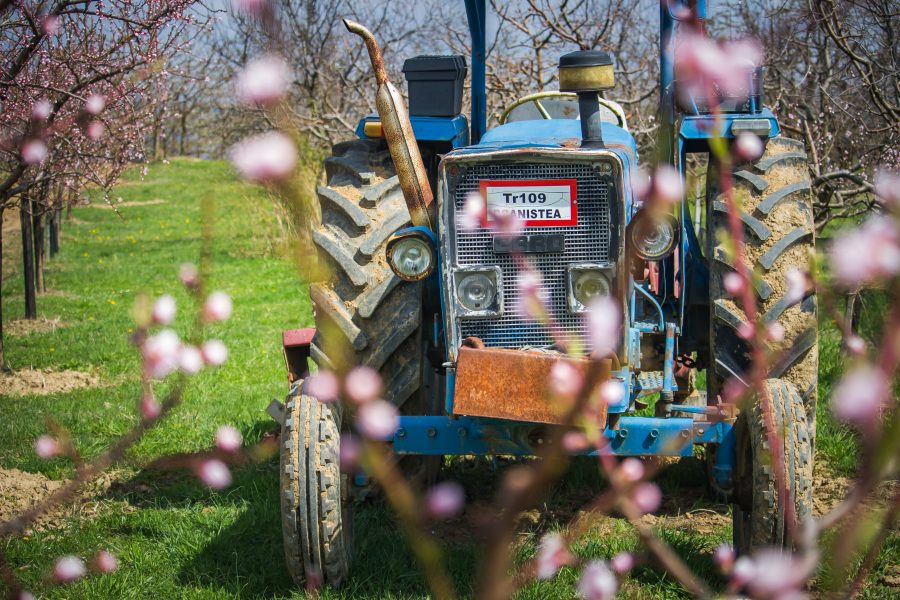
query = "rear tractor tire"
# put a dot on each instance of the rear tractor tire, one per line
(365, 314)
(759, 518)
(773, 194)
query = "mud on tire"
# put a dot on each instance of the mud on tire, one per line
(758, 518)
(315, 509)
(776, 211)
(364, 314)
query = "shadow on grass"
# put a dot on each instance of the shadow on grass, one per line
(239, 545)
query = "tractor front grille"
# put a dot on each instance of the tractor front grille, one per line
(591, 241)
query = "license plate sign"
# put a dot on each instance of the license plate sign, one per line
(536, 202)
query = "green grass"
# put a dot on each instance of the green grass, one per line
(177, 539)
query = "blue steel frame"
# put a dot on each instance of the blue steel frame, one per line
(679, 135)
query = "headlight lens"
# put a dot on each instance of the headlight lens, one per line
(478, 293)
(411, 258)
(653, 237)
(586, 284)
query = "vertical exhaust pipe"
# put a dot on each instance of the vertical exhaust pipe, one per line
(399, 135)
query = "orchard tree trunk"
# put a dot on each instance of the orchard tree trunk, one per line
(54, 232)
(2, 355)
(183, 133)
(28, 258)
(37, 221)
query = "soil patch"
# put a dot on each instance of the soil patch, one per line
(28, 326)
(20, 490)
(40, 382)
(125, 204)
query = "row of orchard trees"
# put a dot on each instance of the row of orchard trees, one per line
(80, 84)
(830, 72)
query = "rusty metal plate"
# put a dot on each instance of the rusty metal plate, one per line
(511, 384)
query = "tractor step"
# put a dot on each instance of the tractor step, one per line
(650, 382)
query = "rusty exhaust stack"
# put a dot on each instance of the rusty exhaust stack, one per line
(399, 135)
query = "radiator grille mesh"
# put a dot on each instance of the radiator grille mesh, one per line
(588, 242)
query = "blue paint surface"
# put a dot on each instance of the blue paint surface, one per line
(430, 129)
(636, 436)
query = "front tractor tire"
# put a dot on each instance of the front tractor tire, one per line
(759, 517)
(773, 194)
(316, 518)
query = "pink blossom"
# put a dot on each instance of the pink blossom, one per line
(797, 282)
(349, 452)
(68, 568)
(228, 439)
(190, 361)
(647, 497)
(34, 152)
(622, 562)
(164, 310)
(106, 562)
(41, 110)
(378, 420)
(266, 157)
(887, 188)
(362, 384)
(507, 223)
(214, 352)
(50, 25)
(95, 104)
(744, 570)
(855, 344)
(668, 186)
(161, 352)
(95, 130)
(217, 307)
(552, 554)
(724, 557)
(775, 332)
(47, 447)
(445, 500)
(632, 469)
(323, 386)
(214, 473)
(860, 395)
(263, 81)
(604, 320)
(612, 392)
(641, 184)
(867, 253)
(252, 7)
(566, 380)
(149, 407)
(473, 213)
(701, 63)
(748, 146)
(733, 283)
(746, 330)
(597, 582)
(25, 595)
(777, 572)
(575, 441)
(531, 303)
(188, 275)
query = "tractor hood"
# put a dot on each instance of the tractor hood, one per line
(564, 133)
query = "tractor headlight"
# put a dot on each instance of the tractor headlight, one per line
(586, 284)
(653, 236)
(410, 255)
(478, 292)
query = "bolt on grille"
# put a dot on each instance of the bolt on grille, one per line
(588, 242)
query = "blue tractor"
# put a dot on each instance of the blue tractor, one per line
(431, 305)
